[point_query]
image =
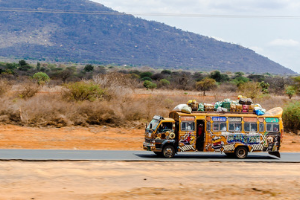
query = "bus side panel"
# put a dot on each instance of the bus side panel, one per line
(228, 142)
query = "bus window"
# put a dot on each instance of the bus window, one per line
(276, 127)
(261, 127)
(272, 127)
(247, 127)
(235, 126)
(216, 126)
(223, 127)
(188, 126)
(253, 127)
(269, 127)
(208, 126)
(220, 126)
(250, 127)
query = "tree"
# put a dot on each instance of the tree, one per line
(206, 84)
(290, 91)
(219, 77)
(166, 72)
(297, 83)
(38, 66)
(146, 74)
(24, 66)
(67, 73)
(250, 89)
(149, 85)
(264, 87)
(41, 78)
(88, 68)
(164, 82)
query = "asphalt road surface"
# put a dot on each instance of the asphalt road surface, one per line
(92, 155)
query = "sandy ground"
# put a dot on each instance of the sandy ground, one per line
(134, 180)
(142, 180)
(91, 138)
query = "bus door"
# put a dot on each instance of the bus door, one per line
(187, 134)
(200, 132)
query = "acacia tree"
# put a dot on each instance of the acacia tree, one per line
(41, 78)
(290, 91)
(206, 84)
(297, 83)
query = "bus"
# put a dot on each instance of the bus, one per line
(234, 134)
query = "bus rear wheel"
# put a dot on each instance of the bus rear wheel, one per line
(241, 152)
(168, 151)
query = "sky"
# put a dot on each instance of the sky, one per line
(269, 27)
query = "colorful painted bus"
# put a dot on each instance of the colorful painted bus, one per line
(233, 134)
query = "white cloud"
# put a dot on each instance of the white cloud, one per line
(218, 38)
(257, 49)
(206, 6)
(281, 42)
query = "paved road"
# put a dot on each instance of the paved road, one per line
(91, 155)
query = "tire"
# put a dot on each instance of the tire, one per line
(168, 151)
(159, 154)
(241, 152)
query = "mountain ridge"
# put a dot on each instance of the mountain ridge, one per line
(85, 31)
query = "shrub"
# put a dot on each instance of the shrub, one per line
(88, 68)
(164, 82)
(146, 79)
(146, 74)
(4, 87)
(250, 89)
(81, 91)
(41, 78)
(206, 84)
(149, 85)
(290, 91)
(28, 90)
(291, 116)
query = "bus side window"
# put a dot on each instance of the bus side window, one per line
(269, 127)
(275, 127)
(223, 127)
(246, 127)
(208, 126)
(216, 126)
(187, 126)
(231, 127)
(261, 127)
(253, 127)
(235, 126)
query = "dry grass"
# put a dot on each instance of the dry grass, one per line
(123, 104)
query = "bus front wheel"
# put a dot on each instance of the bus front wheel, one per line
(168, 151)
(241, 152)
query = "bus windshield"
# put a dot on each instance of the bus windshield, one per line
(154, 123)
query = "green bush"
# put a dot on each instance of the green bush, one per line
(41, 78)
(291, 117)
(146, 79)
(81, 91)
(290, 91)
(164, 82)
(146, 74)
(88, 68)
(149, 85)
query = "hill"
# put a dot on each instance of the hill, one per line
(84, 31)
